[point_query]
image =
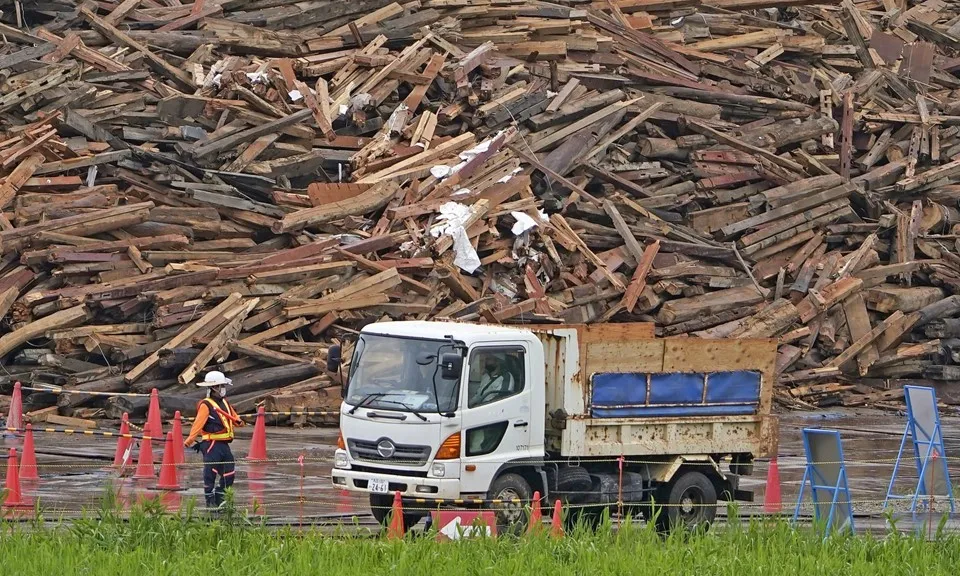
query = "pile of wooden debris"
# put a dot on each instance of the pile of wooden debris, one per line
(236, 184)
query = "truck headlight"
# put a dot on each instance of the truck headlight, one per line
(439, 470)
(340, 459)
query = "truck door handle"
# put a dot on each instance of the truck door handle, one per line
(520, 424)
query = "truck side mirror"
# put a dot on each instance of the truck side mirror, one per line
(451, 365)
(333, 358)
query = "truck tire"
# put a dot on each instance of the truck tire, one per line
(380, 505)
(574, 479)
(511, 516)
(690, 502)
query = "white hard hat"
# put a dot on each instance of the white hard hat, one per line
(215, 378)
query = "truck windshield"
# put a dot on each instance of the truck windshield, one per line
(390, 373)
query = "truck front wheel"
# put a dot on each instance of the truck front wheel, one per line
(689, 501)
(380, 506)
(513, 493)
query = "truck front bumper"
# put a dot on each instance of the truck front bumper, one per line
(408, 486)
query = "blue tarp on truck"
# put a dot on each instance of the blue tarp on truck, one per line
(671, 394)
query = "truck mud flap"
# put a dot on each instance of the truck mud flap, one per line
(743, 495)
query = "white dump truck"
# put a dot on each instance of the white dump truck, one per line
(592, 415)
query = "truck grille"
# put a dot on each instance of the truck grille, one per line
(403, 454)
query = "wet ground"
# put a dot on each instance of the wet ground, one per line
(294, 487)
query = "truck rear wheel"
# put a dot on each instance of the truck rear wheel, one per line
(689, 501)
(514, 492)
(380, 505)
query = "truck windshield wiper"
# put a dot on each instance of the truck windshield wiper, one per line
(366, 399)
(408, 407)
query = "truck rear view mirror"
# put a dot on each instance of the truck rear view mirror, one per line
(451, 365)
(333, 358)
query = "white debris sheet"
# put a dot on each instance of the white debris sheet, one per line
(453, 216)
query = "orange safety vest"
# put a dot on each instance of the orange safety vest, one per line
(226, 418)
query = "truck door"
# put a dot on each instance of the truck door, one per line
(496, 413)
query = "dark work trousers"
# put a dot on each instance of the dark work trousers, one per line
(217, 461)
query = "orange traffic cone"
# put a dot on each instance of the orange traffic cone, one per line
(168, 467)
(15, 415)
(178, 456)
(396, 529)
(145, 462)
(28, 467)
(14, 495)
(123, 442)
(556, 530)
(154, 427)
(536, 515)
(772, 500)
(258, 446)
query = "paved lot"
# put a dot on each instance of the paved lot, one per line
(75, 471)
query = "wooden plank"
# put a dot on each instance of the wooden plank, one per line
(789, 209)
(271, 357)
(858, 321)
(67, 317)
(206, 148)
(700, 127)
(676, 311)
(158, 64)
(861, 343)
(638, 282)
(183, 337)
(373, 199)
(215, 348)
(561, 224)
(12, 183)
(277, 330)
(620, 224)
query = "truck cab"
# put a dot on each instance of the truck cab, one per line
(449, 413)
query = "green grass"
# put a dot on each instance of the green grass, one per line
(150, 543)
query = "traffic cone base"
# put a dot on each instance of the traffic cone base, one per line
(28, 467)
(255, 484)
(556, 529)
(14, 498)
(145, 469)
(396, 529)
(772, 498)
(168, 467)
(258, 446)
(171, 501)
(154, 427)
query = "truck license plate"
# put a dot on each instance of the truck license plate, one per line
(379, 485)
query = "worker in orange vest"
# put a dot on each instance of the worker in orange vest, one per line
(214, 427)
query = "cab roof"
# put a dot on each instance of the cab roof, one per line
(440, 330)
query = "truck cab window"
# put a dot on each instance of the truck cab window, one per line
(392, 373)
(495, 374)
